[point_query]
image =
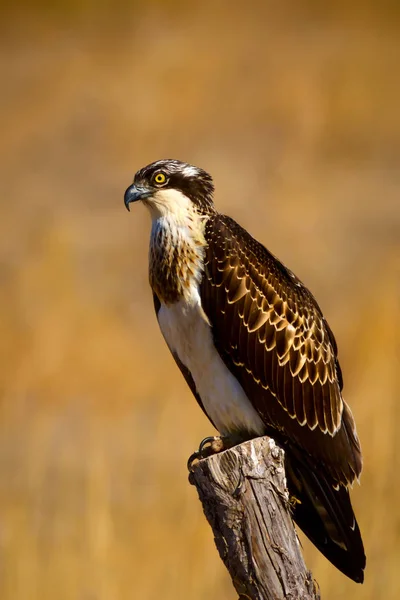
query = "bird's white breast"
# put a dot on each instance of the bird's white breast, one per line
(188, 334)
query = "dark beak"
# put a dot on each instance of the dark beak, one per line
(135, 193)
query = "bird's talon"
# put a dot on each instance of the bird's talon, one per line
(210, 445)
(192, 458)
(208, 441)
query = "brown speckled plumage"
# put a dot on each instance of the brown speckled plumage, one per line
(174, 260)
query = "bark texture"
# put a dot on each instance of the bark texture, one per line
(244, 498)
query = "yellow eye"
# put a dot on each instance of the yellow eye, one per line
(160, 178)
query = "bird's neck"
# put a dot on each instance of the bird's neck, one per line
(176, 255)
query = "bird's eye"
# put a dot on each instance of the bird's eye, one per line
(160, 178)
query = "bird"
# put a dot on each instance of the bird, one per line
(255, 349)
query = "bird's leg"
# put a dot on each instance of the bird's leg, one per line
(215, 443)
(212, 445)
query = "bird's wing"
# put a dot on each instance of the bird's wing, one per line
(270, 331)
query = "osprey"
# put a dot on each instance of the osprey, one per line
(254, 348)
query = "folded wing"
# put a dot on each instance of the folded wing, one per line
(271, 333)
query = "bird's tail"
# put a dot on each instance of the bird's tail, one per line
(324, 512)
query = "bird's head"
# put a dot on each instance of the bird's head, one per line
(171, 188)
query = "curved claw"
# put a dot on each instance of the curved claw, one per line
(195, 456)
(210, 445)
(208, 440)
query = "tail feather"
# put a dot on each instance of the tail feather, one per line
(323, 511)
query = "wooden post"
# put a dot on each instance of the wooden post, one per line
(244, 497)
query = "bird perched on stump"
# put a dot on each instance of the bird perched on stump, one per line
(254, 348)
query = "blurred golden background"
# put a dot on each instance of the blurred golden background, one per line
(294, 109)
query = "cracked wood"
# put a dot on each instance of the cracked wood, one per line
(244, 498)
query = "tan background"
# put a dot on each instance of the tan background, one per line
(294, 109)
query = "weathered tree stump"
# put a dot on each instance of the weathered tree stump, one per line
(244, 497)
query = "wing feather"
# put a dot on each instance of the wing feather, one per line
(271, 333)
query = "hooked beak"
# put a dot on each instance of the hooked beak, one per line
(135, 193)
